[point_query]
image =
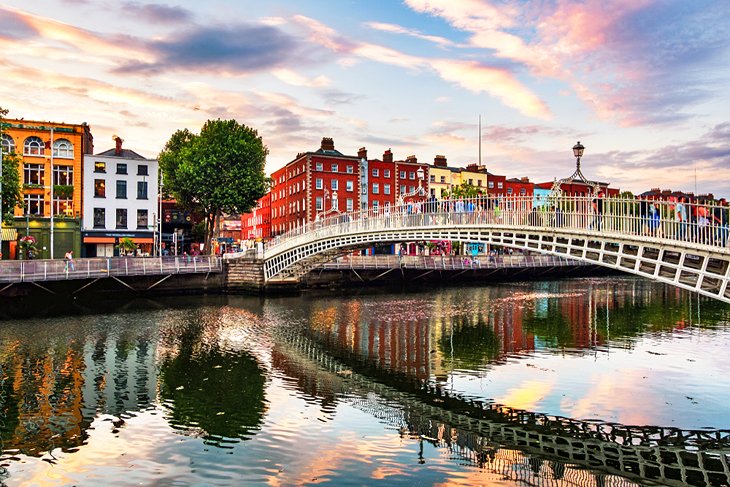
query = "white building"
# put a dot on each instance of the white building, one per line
(120, 190)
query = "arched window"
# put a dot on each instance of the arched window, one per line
(33, 146)
(8, 144)
(63, 148)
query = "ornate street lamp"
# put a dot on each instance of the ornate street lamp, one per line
(556, 189)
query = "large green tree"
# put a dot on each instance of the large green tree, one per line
(220, 170)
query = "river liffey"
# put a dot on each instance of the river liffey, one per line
(611, 381)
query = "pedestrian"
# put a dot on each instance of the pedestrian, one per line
(597, 212)
(680, 213)
(69, 257)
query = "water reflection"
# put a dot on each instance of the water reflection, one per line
(474, 385)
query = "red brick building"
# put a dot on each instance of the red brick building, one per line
(257, 224)
(314, 185)
(519, 187)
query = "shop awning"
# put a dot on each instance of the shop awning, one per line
(9, 234)
(143, 240)
(99, 240)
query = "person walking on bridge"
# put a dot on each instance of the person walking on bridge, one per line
(597, 212)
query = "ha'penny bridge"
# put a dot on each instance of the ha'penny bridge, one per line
(536, 448)
(645, 238)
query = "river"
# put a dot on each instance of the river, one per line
(595, 381)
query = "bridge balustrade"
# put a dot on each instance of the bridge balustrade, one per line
(98, 267)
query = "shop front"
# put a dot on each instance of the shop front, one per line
(106, 244)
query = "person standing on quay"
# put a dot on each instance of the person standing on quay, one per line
(69, 260)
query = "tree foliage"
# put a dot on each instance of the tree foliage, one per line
(220, 170)
(465, 190)
(12, 196)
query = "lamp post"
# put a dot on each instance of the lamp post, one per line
(420, 173)
(3, 111)
(578, 153)
(51, 192)
(334, 206)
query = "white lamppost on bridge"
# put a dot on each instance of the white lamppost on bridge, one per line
(418, 191)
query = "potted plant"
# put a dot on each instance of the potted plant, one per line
(126, 245)
(28, 247)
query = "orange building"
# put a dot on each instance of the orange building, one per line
(43, 170)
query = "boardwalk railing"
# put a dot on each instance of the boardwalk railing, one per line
(57, 270)
(693, 225)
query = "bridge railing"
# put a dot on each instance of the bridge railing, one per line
(57, 269)
(701, 223)
(448, 262)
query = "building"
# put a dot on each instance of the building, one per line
(476, 176)
(256, 225)
(51, 157)
(411, 179)
(496, 185)
(313, 186)
(377, 181)
(442, 178)
(519, 187)
(120, 201)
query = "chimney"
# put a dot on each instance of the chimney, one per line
(387, 156)
(412, 159)
(362, 153)
(525, 180)
(328, 143)
(118, 148)
(472, 167)
(439, 161)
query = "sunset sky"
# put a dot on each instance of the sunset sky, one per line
(643, 84)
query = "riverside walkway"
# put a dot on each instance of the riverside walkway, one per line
(685, 247)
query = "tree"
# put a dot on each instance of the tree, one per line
(126, 245)
(465, 190)
(11, 193)
(221, 170)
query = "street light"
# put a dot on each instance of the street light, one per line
(578, 152)
(418, 191)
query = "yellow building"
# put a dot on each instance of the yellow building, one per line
(442, 178)
(42, 171)
(475, 175)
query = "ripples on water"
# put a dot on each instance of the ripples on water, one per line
(472, 386)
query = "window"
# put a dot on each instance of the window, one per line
(33, 146)
(318, 203)
(63, 148)
(490, 184)
(141, 190)
(509, 190)
(411, 189)
(121, 218)
(386, 189)
(433, 192)
(318, 166)
(402, 174)
(34, 204)
(432, 178)
(350, 204)
(523, 191)
(479, 183)
(121, 168)
(376, 173)
(386, 173)
(99, 166)
(350, 170)
(142, 170)
(33, 173)
(376, 188)
(99, 188)
(500, 185)
(334, 184)
(364, 189)
(63, 175)
(411, 175)
(402, 189)
(443, 179)
(121, 190)
(142, 219)
(471, 182)
(318, 183)
(376, 205)
(99, 218)
(63, 206)
(350, 185)
(8, 144)
(334, 167)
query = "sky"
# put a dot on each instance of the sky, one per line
(642, 84)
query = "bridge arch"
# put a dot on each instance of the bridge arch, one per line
(691, 265)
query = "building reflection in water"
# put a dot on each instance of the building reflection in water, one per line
(476, 328)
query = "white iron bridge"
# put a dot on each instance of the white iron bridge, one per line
(685, 245)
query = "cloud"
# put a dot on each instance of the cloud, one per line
(14, 26)
(295, 79)
(156, 13)
(397, 29)
(238, 49)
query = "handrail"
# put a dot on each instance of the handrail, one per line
(95, 267)
(696, 224)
